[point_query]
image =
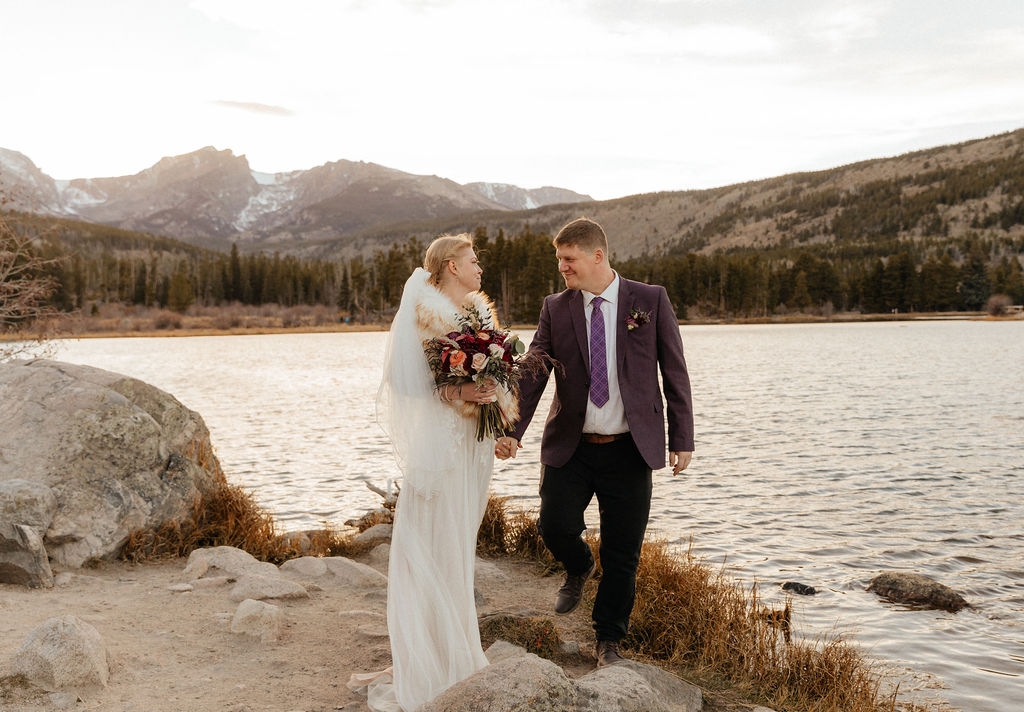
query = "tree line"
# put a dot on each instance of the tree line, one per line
(90, 265)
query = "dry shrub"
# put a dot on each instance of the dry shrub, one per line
(512, 532)
(167, 320)
(538, 635)
(227, 515)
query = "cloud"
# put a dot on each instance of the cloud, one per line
(255, 108)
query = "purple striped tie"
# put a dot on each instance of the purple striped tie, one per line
(598, 356)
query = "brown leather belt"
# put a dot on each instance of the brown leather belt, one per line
(598, 439)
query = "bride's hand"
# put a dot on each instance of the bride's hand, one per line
(478, 393)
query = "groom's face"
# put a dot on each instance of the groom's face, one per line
(579, 268)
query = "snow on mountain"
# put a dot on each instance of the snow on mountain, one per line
(515, 198)
(213, 197)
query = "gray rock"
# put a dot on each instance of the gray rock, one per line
(305, 567)
(378, 533)
(502, 649)
(488, 571)
(379, 556)
(213, 582)
(348, 573)
(64, 700)
(64, 578)
(23, 559)
(116, 453)
(217, 561)
(522, 682)
(258, 587)
(635, 687)
(479, 598)
(27, 502)
(258, 619)
(917, 590)
(63, 653)
(180, 588)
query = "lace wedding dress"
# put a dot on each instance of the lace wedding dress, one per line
(432, 623)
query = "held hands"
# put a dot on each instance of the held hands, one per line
(471, 392)
(679, 461)
(506, 447)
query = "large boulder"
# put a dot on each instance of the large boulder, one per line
(518, 680)
(117, 455)
(514, 683)
(63, 653)
(916, 590)
(636, 687)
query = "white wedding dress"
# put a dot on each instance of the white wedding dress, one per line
(432, 623)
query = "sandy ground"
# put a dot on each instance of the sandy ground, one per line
(174, 651)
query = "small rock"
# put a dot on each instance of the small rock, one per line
(255, 586)
(801, 589)
(379, 555)
(225, 561)
(354, 574)
(569, 647)
(64, 578)
(375, 534)
(488, 571)
(502, 649)
(180, 587)
(258, 619)
(63, 653)
(64, 700)
(917, 590)
(305, 567)
(204, 584)
(479, 598)
(23, 559)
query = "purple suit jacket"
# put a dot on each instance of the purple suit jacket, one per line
(562, 335)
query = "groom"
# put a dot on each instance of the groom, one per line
(606, 428)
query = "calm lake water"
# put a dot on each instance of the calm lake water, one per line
(826, 453)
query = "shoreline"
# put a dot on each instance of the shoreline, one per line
(334, 328)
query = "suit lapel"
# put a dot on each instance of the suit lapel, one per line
(625, 304)
(579, 325)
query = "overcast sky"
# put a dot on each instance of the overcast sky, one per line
(606, 97)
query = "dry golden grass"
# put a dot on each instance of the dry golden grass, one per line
(698, 622)
(227, 515)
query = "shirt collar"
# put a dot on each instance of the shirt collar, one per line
(609, 295)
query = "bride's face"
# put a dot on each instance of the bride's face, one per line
(467, 269)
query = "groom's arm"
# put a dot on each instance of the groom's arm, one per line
(531, 387)
(674, 377)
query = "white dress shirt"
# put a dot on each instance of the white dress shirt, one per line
(610, 419)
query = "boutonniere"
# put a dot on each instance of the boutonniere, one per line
(636, 319)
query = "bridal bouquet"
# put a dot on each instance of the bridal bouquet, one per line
(478, 354)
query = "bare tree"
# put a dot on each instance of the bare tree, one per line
(24, 291)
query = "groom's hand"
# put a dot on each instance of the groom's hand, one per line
(679, 461)
(506, 447)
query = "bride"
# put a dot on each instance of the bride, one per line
(432, 623)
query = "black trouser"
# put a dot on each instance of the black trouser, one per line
(620, 478)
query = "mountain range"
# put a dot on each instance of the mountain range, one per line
(213, 198)
(347, 209)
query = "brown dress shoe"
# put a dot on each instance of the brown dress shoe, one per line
(571, 592)
(608, 653)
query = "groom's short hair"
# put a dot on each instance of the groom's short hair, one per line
(583, 233)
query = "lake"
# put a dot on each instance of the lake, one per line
(826, 453)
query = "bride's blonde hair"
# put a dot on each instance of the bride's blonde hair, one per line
(443, 250)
